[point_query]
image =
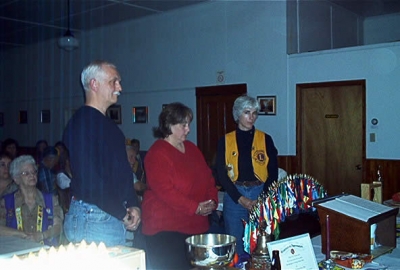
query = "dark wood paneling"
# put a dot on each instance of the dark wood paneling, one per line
(289, 164)
(390, 172)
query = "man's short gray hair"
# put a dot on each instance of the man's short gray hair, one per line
(18, 162)
(242, 103)
(93, 71)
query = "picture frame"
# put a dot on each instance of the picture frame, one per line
(45, 116)
(267, 105)
(1, 119)
(23, 117)
(114, 112)
(139, 114)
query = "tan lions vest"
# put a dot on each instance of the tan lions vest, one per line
(259, 156)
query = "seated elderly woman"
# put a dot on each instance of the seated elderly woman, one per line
(29, 213)
(138, 182)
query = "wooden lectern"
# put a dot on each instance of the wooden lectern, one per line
(350, 220)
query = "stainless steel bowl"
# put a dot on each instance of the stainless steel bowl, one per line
(210, 250)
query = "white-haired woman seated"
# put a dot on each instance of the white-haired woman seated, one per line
(29, 213)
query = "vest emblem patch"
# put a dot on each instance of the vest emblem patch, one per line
(259, 156)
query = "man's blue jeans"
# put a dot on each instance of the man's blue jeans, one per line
(88, 222)
(234, 213)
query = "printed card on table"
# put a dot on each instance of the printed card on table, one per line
(295, 252)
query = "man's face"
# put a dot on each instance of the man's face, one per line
(110, 85)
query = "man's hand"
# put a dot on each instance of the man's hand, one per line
(132, 218)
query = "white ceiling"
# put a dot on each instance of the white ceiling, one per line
(25, 22)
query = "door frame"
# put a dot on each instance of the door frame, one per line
(299, 121)
(218, 91)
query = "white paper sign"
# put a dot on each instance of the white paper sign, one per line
(295, 252)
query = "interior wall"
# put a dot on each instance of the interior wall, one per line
(164, 57)
(161, 59)
(379, 66)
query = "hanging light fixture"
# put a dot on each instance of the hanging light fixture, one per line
(68, 42)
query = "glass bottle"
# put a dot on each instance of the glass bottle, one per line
(378, 174)
(276, 261)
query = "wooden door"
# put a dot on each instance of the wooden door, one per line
(331, 134)
(214, 115)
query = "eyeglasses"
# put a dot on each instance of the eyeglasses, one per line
(26, 173)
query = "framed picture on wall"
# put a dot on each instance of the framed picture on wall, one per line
(267, 105)
(139, 114)
(114, 112)
(45, 116)
(23, 117)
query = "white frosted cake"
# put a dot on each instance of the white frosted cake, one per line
(78, 256)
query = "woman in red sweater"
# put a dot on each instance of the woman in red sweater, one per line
(181, 191)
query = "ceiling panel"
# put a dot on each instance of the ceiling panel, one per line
(101, 16)
(25, 22)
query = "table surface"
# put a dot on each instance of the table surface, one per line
(391, 260)
(10, 245)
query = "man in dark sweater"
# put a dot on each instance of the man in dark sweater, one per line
(104, 203)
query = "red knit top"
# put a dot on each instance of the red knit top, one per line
(176, 183)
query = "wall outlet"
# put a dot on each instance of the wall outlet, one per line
(372, 137)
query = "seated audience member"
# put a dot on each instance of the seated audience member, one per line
(10, 146)
(29, 213)
(63, 161)
(7, 185)
(138, 167)
(139, 186)
(46, 174)
(63, 167)
(40, 146)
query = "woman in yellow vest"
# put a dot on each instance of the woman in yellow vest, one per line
(247, 164)
(28, 213)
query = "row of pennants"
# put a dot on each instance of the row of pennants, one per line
(291, 195)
